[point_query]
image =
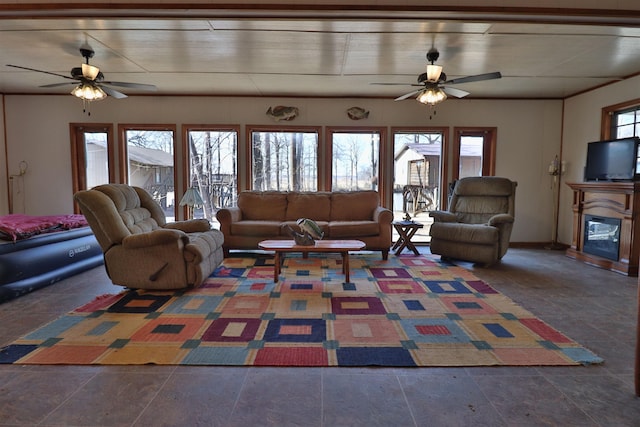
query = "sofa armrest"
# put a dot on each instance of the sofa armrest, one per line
(227, 216)
(153, 238)
(443, 216)
(190, 225)
(382, 215)
(499, 219)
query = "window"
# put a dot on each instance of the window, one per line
(213, 167)
(355, 156)
(91, 156)
(419, 159)
(148, 162)
(622, 121)
(284, 159)
(474, 152)
(626, 123)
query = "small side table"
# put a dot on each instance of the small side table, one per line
(406, 230)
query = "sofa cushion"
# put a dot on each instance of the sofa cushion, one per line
(351, 229)
(259, 205)
(256, 228)
(354, 205)
(315, 206)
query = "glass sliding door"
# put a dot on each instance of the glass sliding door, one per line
(418, 186)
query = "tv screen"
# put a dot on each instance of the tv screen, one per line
(612, 160)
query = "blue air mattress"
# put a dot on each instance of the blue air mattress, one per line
(39, 261)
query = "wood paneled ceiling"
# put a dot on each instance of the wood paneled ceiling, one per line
(321, 54)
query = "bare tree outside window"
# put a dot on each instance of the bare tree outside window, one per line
(355, 161)
(213, 169)
(284, 161)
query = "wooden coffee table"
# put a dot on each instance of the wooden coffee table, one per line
(333, 246)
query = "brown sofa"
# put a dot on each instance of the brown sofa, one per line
(341, 215)
(142, 250)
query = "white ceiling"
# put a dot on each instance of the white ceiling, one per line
(327, 57)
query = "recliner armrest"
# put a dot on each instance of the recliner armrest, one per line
(156, 237)
(443, 216)
(190, 225)
(500, 219)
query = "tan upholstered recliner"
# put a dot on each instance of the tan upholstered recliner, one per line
(477, 227)
(141, 250)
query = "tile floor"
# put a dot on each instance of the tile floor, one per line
(593, 306)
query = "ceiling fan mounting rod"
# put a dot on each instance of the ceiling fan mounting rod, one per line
(433, 55)
(86, 53)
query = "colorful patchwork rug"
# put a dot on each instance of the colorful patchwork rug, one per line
(407, 311)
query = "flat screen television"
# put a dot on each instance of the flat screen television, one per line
(612, 160)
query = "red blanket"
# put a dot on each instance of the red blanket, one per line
(19, 226)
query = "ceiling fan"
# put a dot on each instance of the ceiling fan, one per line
(90, 82)
(434, 86)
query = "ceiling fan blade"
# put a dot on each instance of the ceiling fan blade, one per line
(41, 71)
(455, 92)
(396, 84)
(476, 78)
(408, 95)
(112, 92)
(132, 85)
(59, 84)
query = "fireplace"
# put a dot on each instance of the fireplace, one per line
(602, 236)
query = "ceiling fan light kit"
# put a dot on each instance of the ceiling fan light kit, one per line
(89, 92)
(431, 96)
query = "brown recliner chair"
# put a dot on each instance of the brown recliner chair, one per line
(141, 250)
(477, 227)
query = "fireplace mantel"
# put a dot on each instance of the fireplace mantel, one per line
(619, 200)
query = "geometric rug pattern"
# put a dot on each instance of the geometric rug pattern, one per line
(406, 311)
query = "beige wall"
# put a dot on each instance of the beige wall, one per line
(582, 118)
(528, 137)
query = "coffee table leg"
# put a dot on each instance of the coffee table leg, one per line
(345, 266)
(276, 267)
